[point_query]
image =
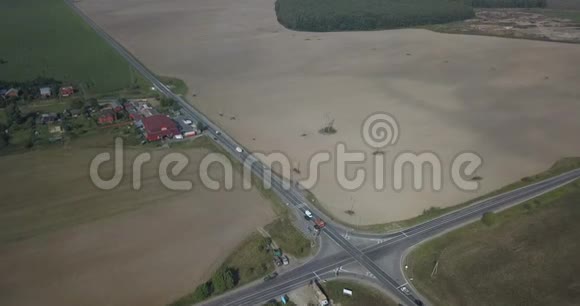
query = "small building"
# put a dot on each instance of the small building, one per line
(47, 118)
(75, 112)
(45, 92)
(12, 92)
(186, 126)
(66, 91)
(158, 127)
(107, 116)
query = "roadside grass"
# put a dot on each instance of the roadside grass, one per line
(288, 238)
(573, 15)
(249, 262)
(177, 86)
(44, 38)
(529, 256)
(559, 167)
(362, 295)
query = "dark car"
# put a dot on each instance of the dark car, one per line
(270, 277)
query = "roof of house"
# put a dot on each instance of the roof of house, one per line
(158, 123)
(106, 112)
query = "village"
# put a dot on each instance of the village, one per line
(49, 114)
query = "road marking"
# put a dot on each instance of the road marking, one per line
(402, 232)
(316, 275)
(403, 285)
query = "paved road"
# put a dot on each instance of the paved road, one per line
(288, 193)
(397, 244)
(394, 242)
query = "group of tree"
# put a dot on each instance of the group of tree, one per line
(361, 15)
(223, 280)
(508, 3)
(351, 15)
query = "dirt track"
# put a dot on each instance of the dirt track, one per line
(514, 102)
(156, 247)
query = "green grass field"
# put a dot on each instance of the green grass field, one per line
(529, 256)
(362, 295)
(45, 38)
(288, 238)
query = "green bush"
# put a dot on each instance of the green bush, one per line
(508, 3)
(354, 15)
(223, 280)
(489, 218)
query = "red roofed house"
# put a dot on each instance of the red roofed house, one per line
(67, 91)
(107, 116)
(158, 127)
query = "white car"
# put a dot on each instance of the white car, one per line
(405, 290)
(308, 214)
(239, 150)
(178, 136)
(187, 121)
(218, 132)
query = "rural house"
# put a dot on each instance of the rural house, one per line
(45, 92)
(12, 92)
(107, 116)
(158, 127)
(67, 91)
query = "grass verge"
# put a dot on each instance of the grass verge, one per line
(288, 238)
(528, 255)
(362, 295)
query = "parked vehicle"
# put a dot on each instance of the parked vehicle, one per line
(285, 260)
(270, 277)
(178, 136)
(308, 214)
(277, 261)
(187, 121)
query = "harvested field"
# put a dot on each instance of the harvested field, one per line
(64, 242)
(514, 102)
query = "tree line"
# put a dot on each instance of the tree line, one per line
(351, 15)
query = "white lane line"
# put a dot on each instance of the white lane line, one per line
(316, 275)
(405, 284)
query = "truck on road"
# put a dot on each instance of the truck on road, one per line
(319, 223)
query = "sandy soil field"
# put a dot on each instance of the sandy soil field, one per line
(514, 102)
(81, 246)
